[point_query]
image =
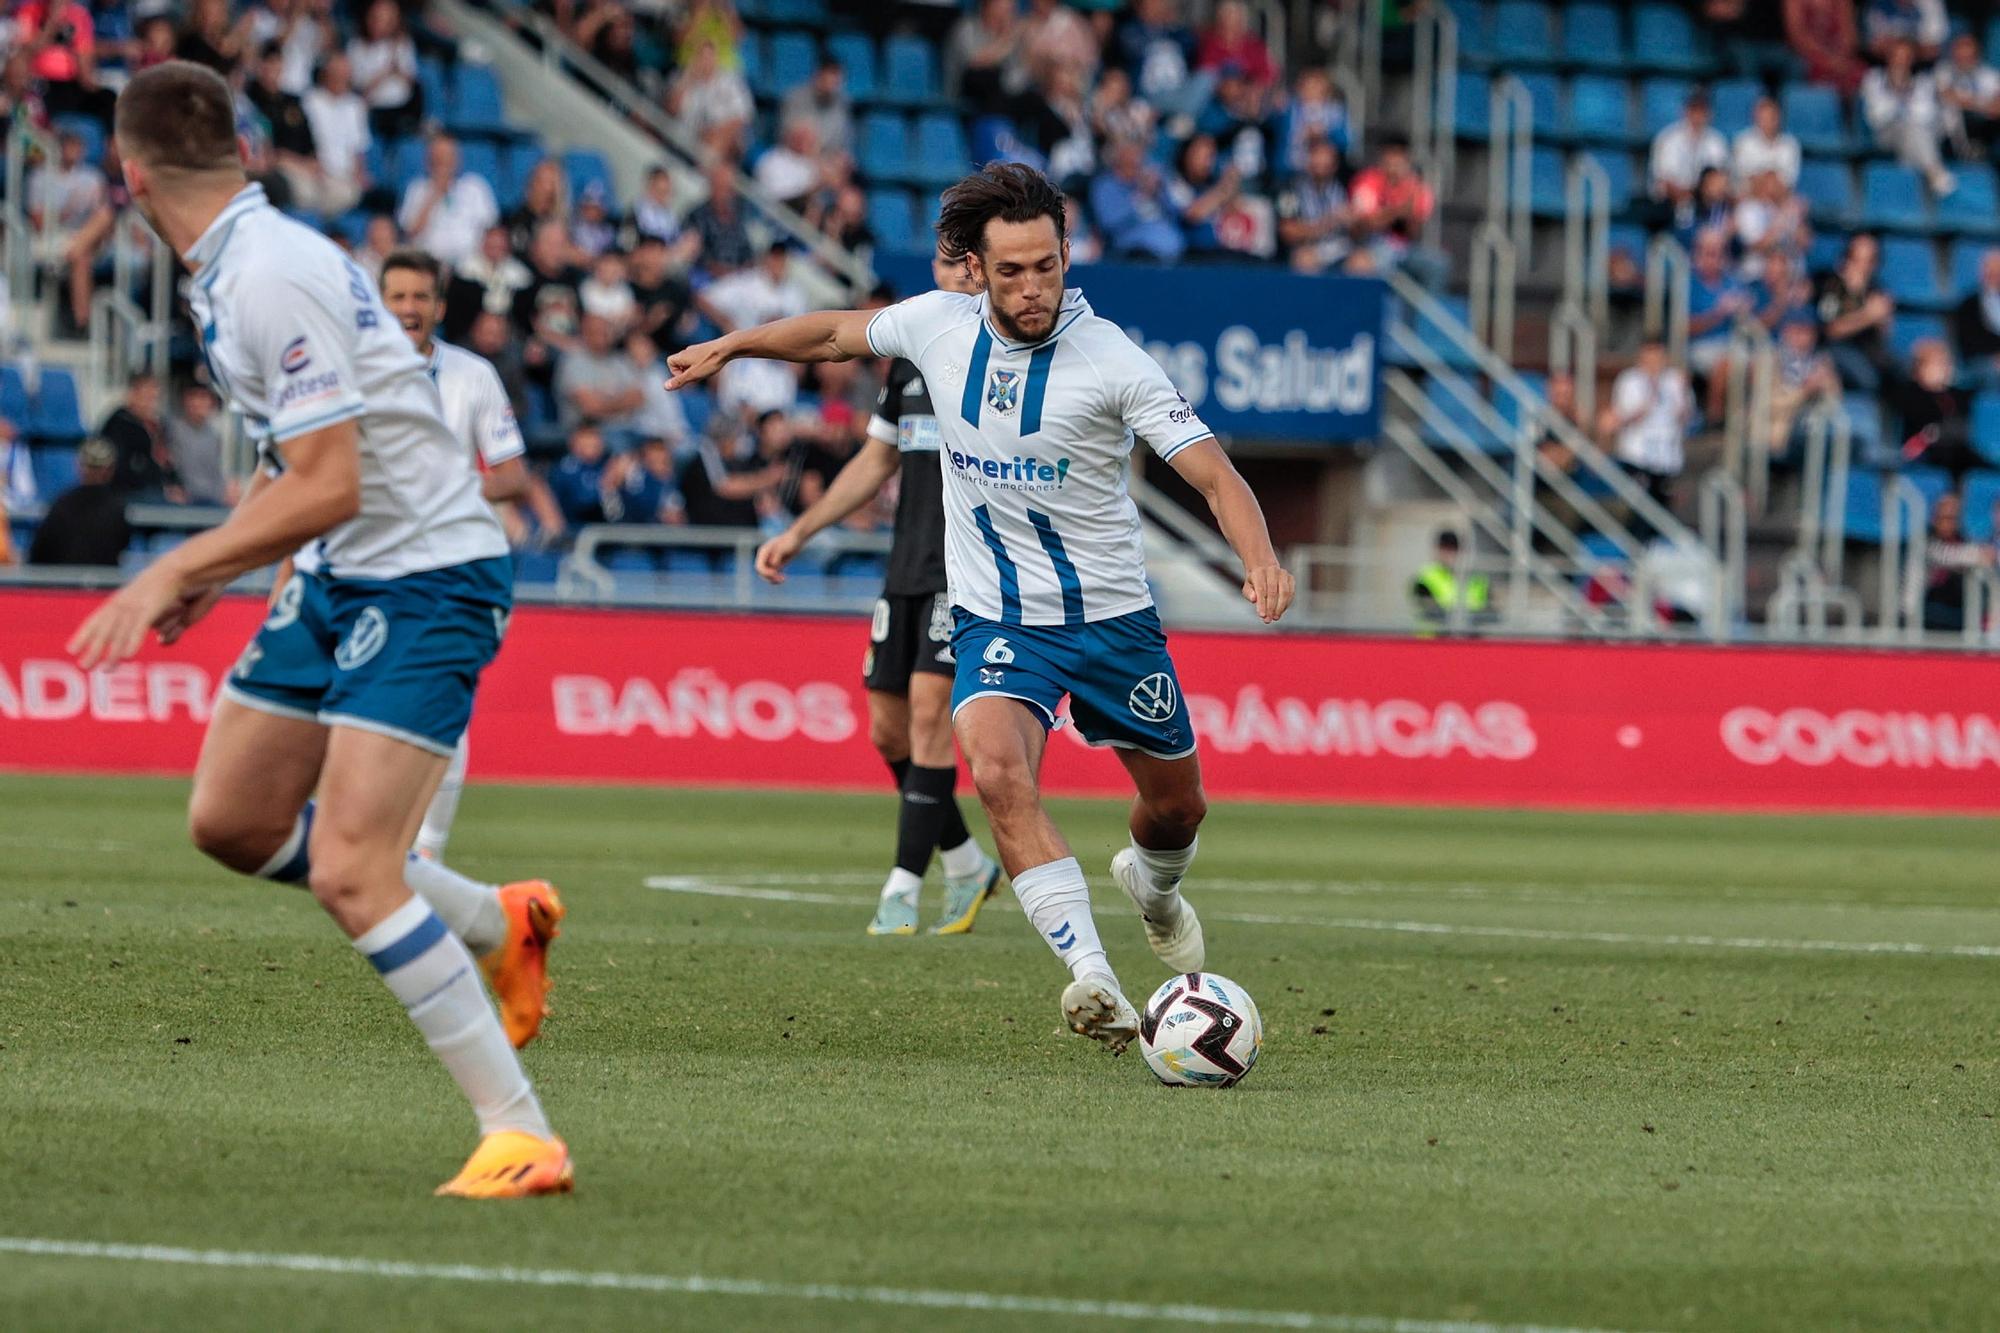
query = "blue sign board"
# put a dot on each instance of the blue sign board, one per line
(1261, 354)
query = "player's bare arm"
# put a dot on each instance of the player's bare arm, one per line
(505, 481)
(854, 486)
(320, 489)
(823, 335)
(1266, 583)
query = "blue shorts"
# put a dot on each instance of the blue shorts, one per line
(1121, 684)
(400, 657)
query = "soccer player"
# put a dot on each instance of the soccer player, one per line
(477, 410)
(908, 668)
(361, 679)
(1041, 400)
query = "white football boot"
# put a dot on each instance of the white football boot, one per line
(1177, 942)
(1094, 1007)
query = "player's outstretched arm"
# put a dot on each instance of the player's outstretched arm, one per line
(1266, 583)
(319, 490)
(823, 335)
(854, 486)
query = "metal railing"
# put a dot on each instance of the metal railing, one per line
(1799, 606)
(1434, 100)
(1982, 602)
(1491, 288)
(1667, 295)
(583, 576)
(1746, 418)
(1829, 448)
(1900, 614)
(1573, 352)
(1510, 145)
(21, 239)
(1587, 240)
(125, 337)
(1725, 533)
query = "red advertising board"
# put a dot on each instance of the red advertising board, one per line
(628, 696)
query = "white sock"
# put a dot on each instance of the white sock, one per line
(1161, 886)
(428, 969)
(902, 884)
(444, 806)
(289, 864)
(962, 861)
(1057, 899)
(469, 908)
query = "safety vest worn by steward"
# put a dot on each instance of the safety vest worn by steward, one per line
(1438, 580)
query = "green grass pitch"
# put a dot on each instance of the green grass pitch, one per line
(1601, 1072)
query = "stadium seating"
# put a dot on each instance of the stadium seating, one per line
(1909, 330)
(1982, 493)
(909, 73)
(1909, 272)
(891, 217)
(1523, 32)
(1973, 209)
(1892, 198)
(1734, 103)
(1813, 115)
(1594, 37)
(856, 54)
(475, 103)
(1828, 189)
(1664, 37)
(1600, 110)
(1986, 425)
(1661, 101)
(55, 414)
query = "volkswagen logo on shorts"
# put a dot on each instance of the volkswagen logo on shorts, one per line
(370, 632)
(1153, 699)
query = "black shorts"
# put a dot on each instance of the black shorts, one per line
(911, 632)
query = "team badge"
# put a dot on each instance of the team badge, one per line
(1153, 699)
(1003, 391)
(370, 633)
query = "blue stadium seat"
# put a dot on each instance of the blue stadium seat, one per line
(1664, 37)
(792, 57)
(1861, 506)
(1965, 257)
(941, 153)
(1547, 183)
(1632, 238)
(1437, 340)
(1523, 33)
(909, 71)
(1828, 187)
(1825, 250)
(1545, 103)
(404, 161)
(1600, 110)
(586, 166)
(1982, 492)
(1909, 272)
(1660, 103)
(435, 80)
(13, 397)
(750, 54)
(1594, 37)
(1514, 410)
(482, 158)
(54, 467)
(1973, 209)
(56, 414)
(856, 54)
(1475, 30)
(1619, 178)
(1459, 415)
(1735, 104)
(1892, 196)
(1933, 482)
(884, 146)
(1909, 330)
(532, 566)
(813, 12)
(517, 162)
(1813, 114)
(892, 218)
(1986, 425)
(1472, 106)
(475, 103)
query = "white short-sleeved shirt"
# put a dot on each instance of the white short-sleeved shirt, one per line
(475, 404)
(297, 340)
(1039, 527)
(1655, 441)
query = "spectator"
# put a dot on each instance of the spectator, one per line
(143, 464)
(1921, 23)
(1216, 215)
(593, 231)
(1391, 205)
(713, 102)
(847, 221)
(59, 41)
(1240, 121)
(718, 221)
(1716, 300)
(208, 38)
(607, 294)
(551, 290)
(756, 296)
(1116, 114)
(447, 209)
(660, 416)
(1651, 408)
(1229, 43)
(338, 119)
(789, 170)
(597, 385)
(1855, 313)
(86, 524)
(664, 297)
(1129, 201)
(1781, 293)
(576, 482)
(1948, 557)
(64, 197)
(1968, 89)
(302, 30)
(293, 151)
(194, 442)
(609, 32)
(1804, 375)
(493, 338)
(823, 104)
(1157, 52)
(714, 22)
(1824, 36)
(1314, 113)
(1085, 245)
(1053, 37)
(654, 216)
(721, 479)
(1554, 454)
(1683, 150)
(491, 280)
(1976, 322)
(1438, 592)
(1901, 108)
(1055, 118)
(1765, 145)
(385, 71)
(1314, 219)
(639, 486)
(544, 198)
(1936, 414)
(157, 36)
(17, 486)
(1769, 220)
(982, 58)
(378, 241)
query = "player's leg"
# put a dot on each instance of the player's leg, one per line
(931, 817)
(443, 809)
(373, 790)
(1165, 821)
(255, 777)
(889, 732)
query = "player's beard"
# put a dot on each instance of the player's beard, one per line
(1012, 327)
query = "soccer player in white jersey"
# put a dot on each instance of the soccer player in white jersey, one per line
(1041, 400)
(364, 704)
(477, 410)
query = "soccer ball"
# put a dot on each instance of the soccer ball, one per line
(1200, 1031)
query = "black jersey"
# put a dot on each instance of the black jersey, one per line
(904, 417)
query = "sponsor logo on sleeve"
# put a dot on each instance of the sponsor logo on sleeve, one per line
(295, 357)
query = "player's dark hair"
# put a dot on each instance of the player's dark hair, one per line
(998, 191)
(178, 116)
(412, 260)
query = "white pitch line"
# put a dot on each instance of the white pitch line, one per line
(709, 888)
(696, 1285)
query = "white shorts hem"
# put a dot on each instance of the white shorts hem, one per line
(1132, 745)
(1055, 722)
(424, 743)
(262, 705)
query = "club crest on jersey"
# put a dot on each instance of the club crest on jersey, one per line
(1003, 391)
(295, 357)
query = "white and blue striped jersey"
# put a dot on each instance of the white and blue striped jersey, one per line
(1039, 527)
(297, 339)
(475, 404)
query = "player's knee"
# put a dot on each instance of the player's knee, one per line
(1005, 781)
(226, 836)
(890, 741)
(1184, 809)
(338, 882)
